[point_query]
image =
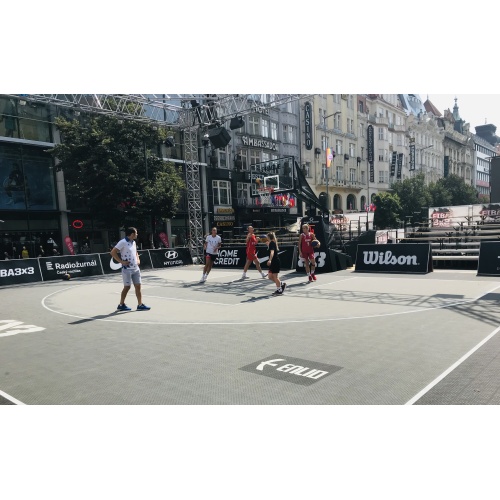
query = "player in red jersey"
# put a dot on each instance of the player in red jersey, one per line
(306, 251)
(252, 253)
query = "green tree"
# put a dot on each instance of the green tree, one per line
(459, 193)
(387, 211)
(112, 170)
(413, 194)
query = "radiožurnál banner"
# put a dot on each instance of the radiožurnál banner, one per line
(54, 268)
(411, 258)
(16, 271)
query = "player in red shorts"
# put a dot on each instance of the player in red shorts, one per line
(252, 254)
(306, 251)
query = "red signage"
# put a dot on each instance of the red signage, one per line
(69, 244)
(77, 224)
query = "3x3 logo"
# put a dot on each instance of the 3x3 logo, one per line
(13, 327)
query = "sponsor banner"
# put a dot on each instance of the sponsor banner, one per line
(489, 259)
(412, 156)
(294, 370)
(164, 239)
(236, 257)
(13, 272)
(400, 165)
(69, 244)
(110, 265)
(54, 268)
(393, 163)
(404, 258)
(308, 125)
(170, 257)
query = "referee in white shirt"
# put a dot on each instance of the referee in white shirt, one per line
(211, 247)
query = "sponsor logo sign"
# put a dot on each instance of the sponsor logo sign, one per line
(395, 258)
(308, 125)
(236, 257)
(170, 258)
(53, 268)
(294, 370)
(17, 271)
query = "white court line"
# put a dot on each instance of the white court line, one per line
(451, 368)
(277, 322)
(10, 398)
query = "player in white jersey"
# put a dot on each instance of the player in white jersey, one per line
(211, 247)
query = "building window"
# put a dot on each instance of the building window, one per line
(338, 147)
(352, 151)
(363, 177)
(381, 134)
(306, 167)
(360, 107)
(221, 192)
(324, 142)
(265, 128)
(352, 175)
(253, 125)
(350, 102)
(337, 122)
(323, 171)
(243, 193)
(380, 155)
(362, 153)
(265, 156)
(274, 131)
(289, 134)
(244, 159)
(336, 98)
(339, 174)
(254, 156)
(222, 153)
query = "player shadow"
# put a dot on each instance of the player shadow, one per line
(95, 318)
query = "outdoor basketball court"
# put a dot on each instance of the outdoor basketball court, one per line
(347, 339)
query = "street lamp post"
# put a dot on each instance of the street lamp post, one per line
(330, 155)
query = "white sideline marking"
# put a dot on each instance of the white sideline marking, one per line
(10, 398)
(451, 368)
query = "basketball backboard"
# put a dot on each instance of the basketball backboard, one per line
(277, 174)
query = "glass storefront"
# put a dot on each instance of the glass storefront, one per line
(21, 119)
(26, 178)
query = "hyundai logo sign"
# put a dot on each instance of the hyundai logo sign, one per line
(171, 254)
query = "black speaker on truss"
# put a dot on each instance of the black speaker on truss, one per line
(219, 137)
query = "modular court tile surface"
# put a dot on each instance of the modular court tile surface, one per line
(347, 339)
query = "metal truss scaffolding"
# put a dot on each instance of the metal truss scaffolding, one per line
(192, 114)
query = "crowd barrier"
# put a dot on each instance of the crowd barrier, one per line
(19, 271)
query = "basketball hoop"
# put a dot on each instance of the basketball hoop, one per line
(265, 196)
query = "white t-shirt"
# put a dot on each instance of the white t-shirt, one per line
(212, 243)
(128, 251)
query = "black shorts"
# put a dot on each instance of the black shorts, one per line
(275, 266)
(210, 256)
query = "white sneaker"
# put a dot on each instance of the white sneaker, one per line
(244, 276)
(264, 275)
(203, 278)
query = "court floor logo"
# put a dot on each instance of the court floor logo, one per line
(295, 370)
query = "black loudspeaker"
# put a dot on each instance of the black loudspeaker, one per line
(495, 180)
(219, 137)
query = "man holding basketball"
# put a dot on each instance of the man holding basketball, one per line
(211, 247)
(306, 251)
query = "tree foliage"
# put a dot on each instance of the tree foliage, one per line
(387, 210)
(454, 191)
(413, 195)
(112, 170)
